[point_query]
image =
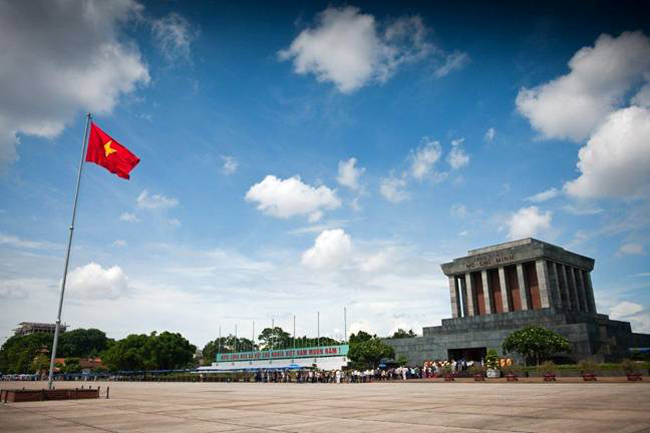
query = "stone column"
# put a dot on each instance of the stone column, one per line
(562, 286)
(486, 292)
(582, 296)
(463, 291)
(571, 281)
(554, 285)
(591, 301)
(504, 289)
(523, 293)
(542, 281)
(453, 296)
(470, 294)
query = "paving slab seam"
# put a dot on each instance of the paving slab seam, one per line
(541, 409)
(211, 421)
(64, 420)
(400, 425)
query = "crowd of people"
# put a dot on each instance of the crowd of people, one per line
(430, 369)
(351, 376)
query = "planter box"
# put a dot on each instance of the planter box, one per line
(634, 377)
(449, 378)
(21, 395)
(549, 377)
(512, 378)
(589, 377)
(479, 377)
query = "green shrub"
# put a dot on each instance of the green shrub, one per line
(446, 369)
(588, 366)
(492, 359)
(630, 366)
(476, 368)
(548, 367)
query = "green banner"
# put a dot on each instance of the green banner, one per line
(303, 352)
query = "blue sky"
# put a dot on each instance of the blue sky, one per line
(312, 156)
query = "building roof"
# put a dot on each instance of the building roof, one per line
(512, 253)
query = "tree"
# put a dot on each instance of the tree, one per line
(227, 344)
(41, 363)
(401, 333)
(130, 353)
(82, 343)
(71, 365)
(305, 341)
(370, 352)
(170, 351)
(166, 351)
(18, 352)
(275, 338)
(360, 337)
(535, 343)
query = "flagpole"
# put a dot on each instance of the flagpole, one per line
(67, 254)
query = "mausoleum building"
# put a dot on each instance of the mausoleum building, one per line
(498, 289)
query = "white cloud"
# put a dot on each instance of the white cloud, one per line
(615, 160)
(284, 198)
(378, 261)
(364, 326)
(15, 241)
(424, 158)
(392, 188)
(331, 249)
(457, 157)
(129, 217)
(489, 135)
(453, 62)
(349, 174)
(633, 313)
(230, 165)
(347, 48)
(94, 282)
(173, 36)
(630, 249)
(581, 209)
(193, 285)
(70, 59)
(543, 196)
(8, 291)
(573, 105)
(458, 210)
(119, 243)
(528, 222)
(156, 201)
(174, 222)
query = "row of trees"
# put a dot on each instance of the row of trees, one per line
(30, 353)
(19, 353)
(269, 338)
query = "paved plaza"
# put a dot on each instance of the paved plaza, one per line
(375, 407)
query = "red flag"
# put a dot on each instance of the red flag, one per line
(105, 151)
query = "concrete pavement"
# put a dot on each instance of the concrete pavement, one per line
(373, 407)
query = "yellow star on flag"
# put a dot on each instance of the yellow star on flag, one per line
(108, 149)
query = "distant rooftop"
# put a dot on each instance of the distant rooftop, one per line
(26, 328)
